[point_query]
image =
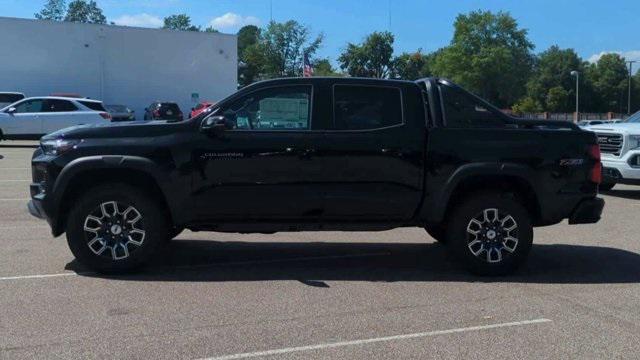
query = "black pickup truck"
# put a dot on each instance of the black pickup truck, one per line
(320, 154)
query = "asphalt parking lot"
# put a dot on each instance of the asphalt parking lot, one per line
(332, 295)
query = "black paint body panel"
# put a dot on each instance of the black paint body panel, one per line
(320, 178)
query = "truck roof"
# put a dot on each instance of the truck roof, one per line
(359, 80)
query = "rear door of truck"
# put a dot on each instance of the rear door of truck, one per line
(373, 156)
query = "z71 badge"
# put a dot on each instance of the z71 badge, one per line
(571, 162)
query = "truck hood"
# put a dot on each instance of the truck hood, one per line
(623, 128)
(120, 130)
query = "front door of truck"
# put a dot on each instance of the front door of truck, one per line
(374, 154)
(263, 166)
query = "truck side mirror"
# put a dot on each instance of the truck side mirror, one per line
(215, 125)
(11, 110)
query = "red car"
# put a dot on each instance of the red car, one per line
(200, 108)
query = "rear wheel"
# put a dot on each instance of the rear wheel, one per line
(115, 228)
(606, 186)
(491, 234)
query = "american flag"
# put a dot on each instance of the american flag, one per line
(307, 69)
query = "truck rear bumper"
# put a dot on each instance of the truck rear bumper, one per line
(588, 211)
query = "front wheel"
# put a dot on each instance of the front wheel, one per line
(491, 234)
(115, 228)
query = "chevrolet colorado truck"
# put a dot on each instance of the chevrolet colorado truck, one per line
(620, 147)
(312, 154)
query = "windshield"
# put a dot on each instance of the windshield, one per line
(635, 118)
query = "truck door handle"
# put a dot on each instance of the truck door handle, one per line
(393, 152)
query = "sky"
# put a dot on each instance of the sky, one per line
(591, 27)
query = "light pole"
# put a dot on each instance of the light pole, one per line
(631, 62)
(577, 75)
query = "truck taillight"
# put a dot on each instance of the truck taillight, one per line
(594, 152)
(156, 113)
(105, 115)
(595, 174)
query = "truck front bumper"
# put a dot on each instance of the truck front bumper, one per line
(625, 170)
(35, 209)
(588, 211)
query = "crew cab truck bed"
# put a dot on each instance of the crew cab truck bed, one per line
(320, 154)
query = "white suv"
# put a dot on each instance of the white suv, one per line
(620, 148)
(31, 118)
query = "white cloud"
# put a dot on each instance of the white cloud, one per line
(233, 21)
(628, 55)
(139, 20)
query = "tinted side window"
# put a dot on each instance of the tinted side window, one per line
(53, 105)
(278, 108)
(93, 105)
(366, 107)
(29, 106)
(461, 110)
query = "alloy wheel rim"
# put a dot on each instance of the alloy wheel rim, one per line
(492, 235)
(114, 230)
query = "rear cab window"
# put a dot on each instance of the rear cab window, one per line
(366, 107)
(462, 110)
(93, 105)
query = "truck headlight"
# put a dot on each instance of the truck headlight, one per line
(58, 146)
(634, 142)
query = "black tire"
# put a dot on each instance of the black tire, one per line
(140, 238)
(437, 232)
(606, 186)
(497, 253)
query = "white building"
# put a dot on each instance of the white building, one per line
(116, 64)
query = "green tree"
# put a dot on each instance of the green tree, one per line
(635, 93)
(557, 99)
(83, 11)
(490, 55)
(412, 66)
(179, 22)
(323, 67)
(553, 71)
(610, 83)
(372, 58)
(210, 29)
(283, 46)
(52, 10)
(250, 57)
(526, 105)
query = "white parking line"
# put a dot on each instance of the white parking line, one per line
(42, 276)
(26, 226)
(16, 199)
(15, 180)
(15, 168)
(375, 340)
(232, 263)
